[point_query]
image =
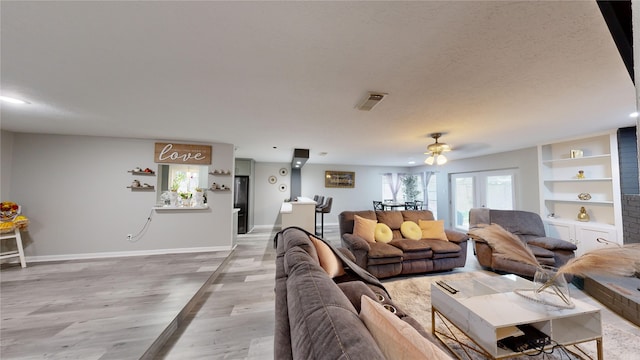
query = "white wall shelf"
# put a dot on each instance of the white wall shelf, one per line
(560, 186)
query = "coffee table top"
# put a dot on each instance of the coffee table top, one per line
(494, 300)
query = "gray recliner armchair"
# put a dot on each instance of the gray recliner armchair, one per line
(529, 228)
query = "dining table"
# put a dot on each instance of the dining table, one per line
(391, 205)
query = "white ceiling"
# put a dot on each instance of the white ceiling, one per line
(493, 76)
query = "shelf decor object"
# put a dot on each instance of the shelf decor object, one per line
(582, 215)
(584, 196)
(580, 174)
(576, 154)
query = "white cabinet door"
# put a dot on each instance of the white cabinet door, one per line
(588, 238)
(561, 231)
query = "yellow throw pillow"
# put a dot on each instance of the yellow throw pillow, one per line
(411, 230)
(396, 338)
(383, 233)
(328, 260)
(364, 228)
(433, 229)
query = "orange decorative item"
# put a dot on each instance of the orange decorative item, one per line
(10, 217)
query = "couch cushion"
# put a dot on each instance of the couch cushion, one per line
(442, 247)
(397, 339)
(552, 243)
(407, 246)
(354, 290)
(364, 228)
(417, 215)
(328, 260)
(381, 250)
(411, 230)
(433, 229)
(324, 323)
(518, 222)
(541, 252)
(392, 218)
(383, 233)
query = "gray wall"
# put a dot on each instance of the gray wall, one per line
(73, 189)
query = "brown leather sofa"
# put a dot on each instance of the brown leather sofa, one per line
(402, 256)
(528, 227)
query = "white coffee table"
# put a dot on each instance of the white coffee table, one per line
(485, 308)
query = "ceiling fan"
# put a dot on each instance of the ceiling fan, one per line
(435, 151)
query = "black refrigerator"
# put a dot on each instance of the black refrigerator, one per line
(241, 201)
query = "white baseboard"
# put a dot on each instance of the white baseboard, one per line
(125, 253)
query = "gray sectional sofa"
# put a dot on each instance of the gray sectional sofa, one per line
(316, 317)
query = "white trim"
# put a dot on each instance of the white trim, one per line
(126, 253)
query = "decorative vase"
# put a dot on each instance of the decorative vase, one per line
(173, 198)
(582, 215)
(198, 198)
(551, 288)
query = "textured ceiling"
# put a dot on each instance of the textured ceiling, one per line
(492, 76)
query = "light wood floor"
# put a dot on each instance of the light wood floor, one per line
(125, 308)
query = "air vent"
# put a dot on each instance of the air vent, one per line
(371, 100)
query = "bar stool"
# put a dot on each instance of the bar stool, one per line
(17, 253)
(324, 209)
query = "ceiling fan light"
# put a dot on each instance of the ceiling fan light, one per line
(441, 160)
(429, 160)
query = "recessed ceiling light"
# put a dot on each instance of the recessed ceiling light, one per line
(634, 114)
(13, 100)
(411, 162)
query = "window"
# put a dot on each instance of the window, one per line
(492, 189)
(401, 187)
(182, 178)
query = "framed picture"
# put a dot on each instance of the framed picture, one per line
(339, 179)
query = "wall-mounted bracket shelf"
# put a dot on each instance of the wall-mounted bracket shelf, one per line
(141, 188)
(146, 173)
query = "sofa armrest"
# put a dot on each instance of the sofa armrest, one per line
(358, 246)
(355, 243)
(347, 253)
(550, 243)
(456, 236)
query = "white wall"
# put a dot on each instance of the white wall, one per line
(525, 161)
(73, 189)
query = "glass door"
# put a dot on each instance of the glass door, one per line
(492, 189)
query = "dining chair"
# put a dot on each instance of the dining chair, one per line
(419, 204)
(410, 205)
(377, 205)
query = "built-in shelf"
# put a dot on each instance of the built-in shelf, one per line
(141, 188)
(578, 160)
(579, 180)
(608, 202)
(560, 188)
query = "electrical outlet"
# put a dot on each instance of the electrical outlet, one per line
(129, 237)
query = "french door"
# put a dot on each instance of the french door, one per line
(492, 189)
